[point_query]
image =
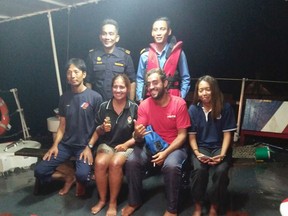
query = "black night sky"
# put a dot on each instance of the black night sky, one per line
(223, 38)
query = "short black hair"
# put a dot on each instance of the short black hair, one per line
(110, 22)
(166, 19)
(79, 63)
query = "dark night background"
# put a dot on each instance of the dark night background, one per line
(224, 38)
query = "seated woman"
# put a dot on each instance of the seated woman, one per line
(115, 142)
(210, 137)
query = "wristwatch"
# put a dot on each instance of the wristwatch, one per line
(90, 146)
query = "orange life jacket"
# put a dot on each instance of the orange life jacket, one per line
(170, 66)
(5, 119)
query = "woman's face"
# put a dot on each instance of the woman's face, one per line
(119, 89)
(204, 92)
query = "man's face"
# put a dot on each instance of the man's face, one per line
(155, 86)
(75, 76)
(109, 36)
(160, 32)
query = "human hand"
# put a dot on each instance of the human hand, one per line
(120, 147)
(216, 160)
(107, 124)
(204, 158)
(52, 151)
(159, 158)
(139, 130)
(86, 156)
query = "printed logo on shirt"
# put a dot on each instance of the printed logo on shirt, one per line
(129, 120)
(171, 116)
(84, 105)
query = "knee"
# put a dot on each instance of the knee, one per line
(131, 163)
(171, 168)
(100, 165)
(115, 165)
(82, 175)
(39, 171)
(201, 173)
(221, 173)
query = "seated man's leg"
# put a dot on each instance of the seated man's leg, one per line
(65, 170)
(172, 171)
(135, 168)
(44, 169)
(82, 173)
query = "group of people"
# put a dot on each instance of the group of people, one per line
(100, 113)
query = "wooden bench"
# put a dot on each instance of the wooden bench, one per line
(31, 152)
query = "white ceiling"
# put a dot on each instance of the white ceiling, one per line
(18, 9)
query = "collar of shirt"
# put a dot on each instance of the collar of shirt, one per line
(162, 55)
(116, 52)
(109, 105)
(205, 112)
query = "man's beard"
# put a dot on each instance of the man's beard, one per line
(160, 94)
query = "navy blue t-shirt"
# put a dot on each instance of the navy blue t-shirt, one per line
(210, 132)
(79, 110)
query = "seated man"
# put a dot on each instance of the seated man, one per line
(77, 109)
(169, 117)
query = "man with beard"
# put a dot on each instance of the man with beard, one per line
(168, 116)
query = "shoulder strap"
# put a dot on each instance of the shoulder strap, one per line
(125, 50)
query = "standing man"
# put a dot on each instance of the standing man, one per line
(77, 110)
(168, 115)
(168, 56)
(103, 64)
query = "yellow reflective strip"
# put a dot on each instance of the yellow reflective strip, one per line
(119, 64)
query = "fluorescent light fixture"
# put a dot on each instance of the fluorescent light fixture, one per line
(54, 3)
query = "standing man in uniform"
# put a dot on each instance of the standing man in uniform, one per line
(167, 55)
(103, 64)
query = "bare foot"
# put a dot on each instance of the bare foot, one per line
(112, 210)
(95, 209)
(80, 189)
(69, 181)
(197, 209)
(213, 210)
(128, 210)
(169, 214)
(196, 213)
